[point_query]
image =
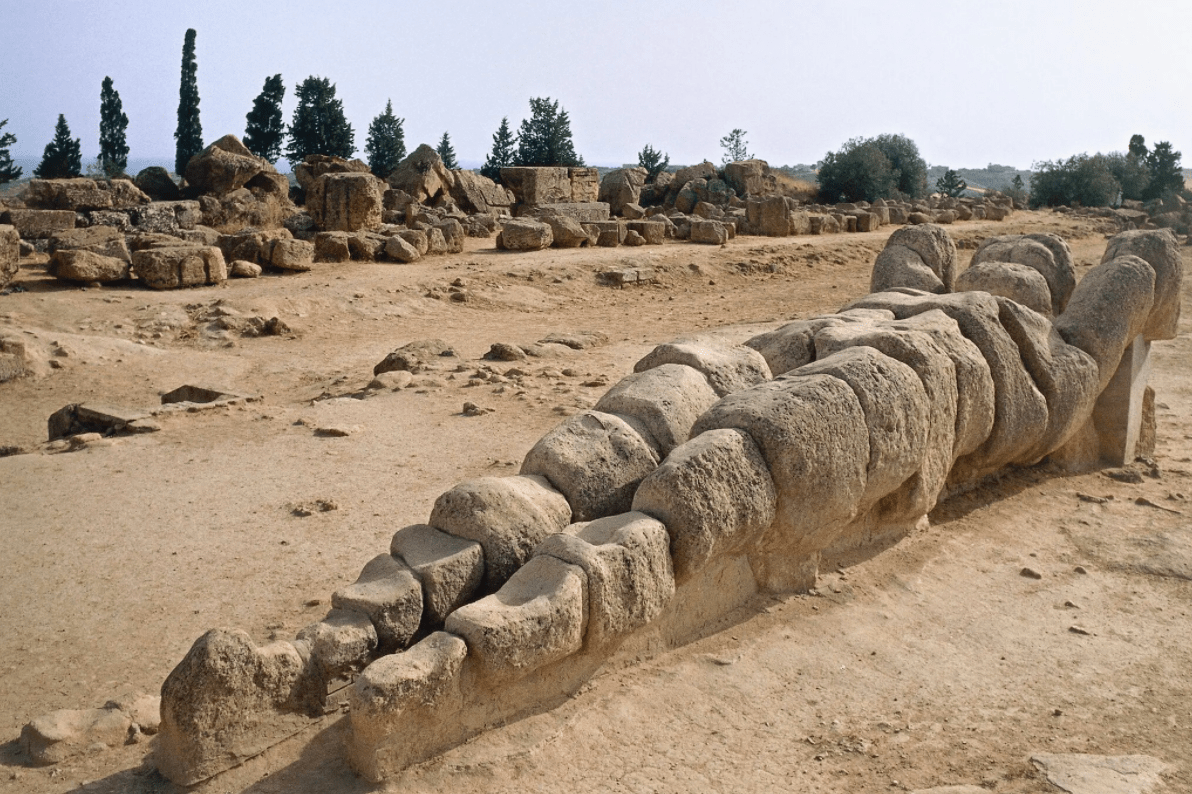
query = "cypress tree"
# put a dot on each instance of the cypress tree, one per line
(544, 139)
(8, 171)
(63, 156)
(1167, 177)
(653, 160)
(386, 144)
(446, 152)
(319, 125)
(265, 128)
(188, 136)
(503, 153)
(113, 123)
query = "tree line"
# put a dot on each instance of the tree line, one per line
(319, 126)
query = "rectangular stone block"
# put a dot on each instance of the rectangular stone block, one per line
(710, 232)
(626, 559)
(768, 216)
(585, 184)
(39, 224)
(800, 223)
(584, 212)
(609, 234)
(389, 594)
(535, 186)
(654, 232)
(10, 254)
(450, 569)
(537, 617)
(180, 266)
(1118, 413)
(865, 221)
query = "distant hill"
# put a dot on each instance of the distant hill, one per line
(991, 177)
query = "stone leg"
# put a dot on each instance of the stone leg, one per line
(1118, 414)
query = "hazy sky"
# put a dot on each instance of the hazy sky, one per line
(970, 82)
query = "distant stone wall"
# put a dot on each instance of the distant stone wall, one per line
(710, 473)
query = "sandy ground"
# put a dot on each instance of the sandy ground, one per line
(933, 663)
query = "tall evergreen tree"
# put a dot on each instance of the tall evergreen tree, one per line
(8, 171)
(736, 148)
(503, 153)
(386, 143)
(1167, 177)
(188, 137)
(113, 124)
(264, 128)
(63, 156)
(951, 184)
(1138, 146)
(446, 152)
(544, 139)
(319, 125)
(653, 160)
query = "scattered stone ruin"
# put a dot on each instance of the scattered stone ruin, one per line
(711, 473)
(236, 216)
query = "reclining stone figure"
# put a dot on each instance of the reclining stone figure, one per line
(710, 473)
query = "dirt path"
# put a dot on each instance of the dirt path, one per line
(934, 663)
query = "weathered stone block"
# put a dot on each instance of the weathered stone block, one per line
(223, 704)
(345, 202)
(727, 367)
(710, 232)
(713, 493)
(537, 617)
(666, 399)
(596, 460)
(87, 267)
(450, 569)
(296, 255)
(627, 563)
(525, 235)
(653, 232)
(39, 224)
(389, 594)
(180, 266)
(508, 516)
(10, 254)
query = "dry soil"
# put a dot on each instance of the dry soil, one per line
(934, 663)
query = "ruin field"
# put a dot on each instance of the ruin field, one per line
(1040, 613)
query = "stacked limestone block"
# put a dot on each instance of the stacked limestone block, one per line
(712, 469)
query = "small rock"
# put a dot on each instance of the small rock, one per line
(1130, 476)
(335, 431)
(1030, 573)
(1144, 502)
(316, 506)
(502, 351)
(395, 379)
(1080, 569)
(1080, 773)
(472, 409)
(1079, 630)
(1098, 500)
(242, 268)
(143, 426)
(83, 439)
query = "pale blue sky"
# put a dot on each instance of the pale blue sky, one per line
(971, 82)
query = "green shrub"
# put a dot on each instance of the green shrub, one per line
(1081, 180)
(866, 169)
(858, 172)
